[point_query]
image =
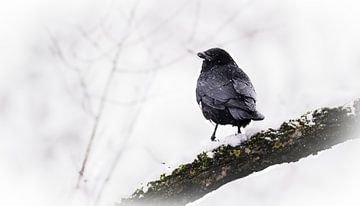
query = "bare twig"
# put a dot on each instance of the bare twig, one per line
(156, 68)
(103, 98)
(58, 52)
(98, 116)
(195, 22)
(130, 130)
(158, 28)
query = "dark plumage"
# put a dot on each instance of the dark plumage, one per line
(224, 92)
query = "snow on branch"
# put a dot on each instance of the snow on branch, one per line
(295, 139)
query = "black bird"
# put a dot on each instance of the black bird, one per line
(224, 92)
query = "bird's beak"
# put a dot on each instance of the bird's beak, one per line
(204, 56)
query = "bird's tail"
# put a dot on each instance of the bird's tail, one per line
(257, 116)
(240, 114)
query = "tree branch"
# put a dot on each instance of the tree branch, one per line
(295, 139)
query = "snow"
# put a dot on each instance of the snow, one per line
(298, 54)
(351, 108)
(232, 140)
(268, 139)
(310, 119)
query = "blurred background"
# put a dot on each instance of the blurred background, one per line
(118, 78)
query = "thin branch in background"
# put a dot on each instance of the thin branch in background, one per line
(126, 103)
(155, 68)
(250, 34)
(86, 102)
(104, 96)
(158, 28)
(142, 38)
(195, 22)
(95, 45)
(222, 26)
(117, 157)
(229, 20)
(132, 124)
(106, 53)
(130, 130)
(86, 36)
(102, 19)
(152, 31)
(97, 117)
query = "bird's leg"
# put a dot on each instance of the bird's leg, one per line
(239, 130)
(213, 134)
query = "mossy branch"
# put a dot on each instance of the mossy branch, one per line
(295, 139)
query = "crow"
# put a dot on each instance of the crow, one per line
(224, 92)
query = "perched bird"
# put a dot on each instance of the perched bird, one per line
(224, 92)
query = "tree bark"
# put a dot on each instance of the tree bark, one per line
(295, 139)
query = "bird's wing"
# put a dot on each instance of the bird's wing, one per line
(221, 88)
(244, 88)
(212, 93)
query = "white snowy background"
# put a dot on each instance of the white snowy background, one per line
(56, 58)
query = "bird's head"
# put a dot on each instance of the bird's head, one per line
(216, 56)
